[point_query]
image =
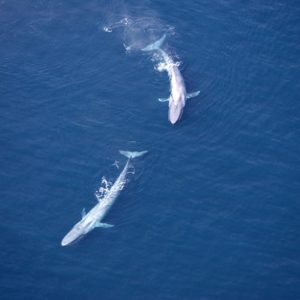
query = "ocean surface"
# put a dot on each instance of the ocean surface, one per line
(212, 211)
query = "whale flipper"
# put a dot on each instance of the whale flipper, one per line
(103, 225)
(192, 95)
(163, 99)
(132, 154)
(83, 213)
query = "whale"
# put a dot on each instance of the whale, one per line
(93, 218)
(178, 94)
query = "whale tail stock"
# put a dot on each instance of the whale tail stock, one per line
(156, 45)
(132, 154)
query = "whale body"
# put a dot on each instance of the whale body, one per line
(178, 94)
(93, 218)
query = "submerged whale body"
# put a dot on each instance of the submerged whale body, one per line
(94, 217)
(178, 93)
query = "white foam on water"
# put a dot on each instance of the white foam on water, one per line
(103, 189)
(122, 23)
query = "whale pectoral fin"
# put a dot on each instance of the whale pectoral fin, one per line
(83, 213)
(103, 225)
(163, 99)
(192, 95)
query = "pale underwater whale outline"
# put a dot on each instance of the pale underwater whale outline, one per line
(178, 94)
(93, 218)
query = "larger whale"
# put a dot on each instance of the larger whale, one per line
(178, 94)
(94, 217)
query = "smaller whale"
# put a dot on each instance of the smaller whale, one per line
(178, 93)
(93, 218)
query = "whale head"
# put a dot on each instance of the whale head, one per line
(77, 232)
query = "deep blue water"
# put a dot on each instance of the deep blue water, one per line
(212, 212)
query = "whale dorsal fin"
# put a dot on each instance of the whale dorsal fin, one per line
(83, 213)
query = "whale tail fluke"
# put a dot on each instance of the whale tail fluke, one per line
(133, 154)
(156, 45)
